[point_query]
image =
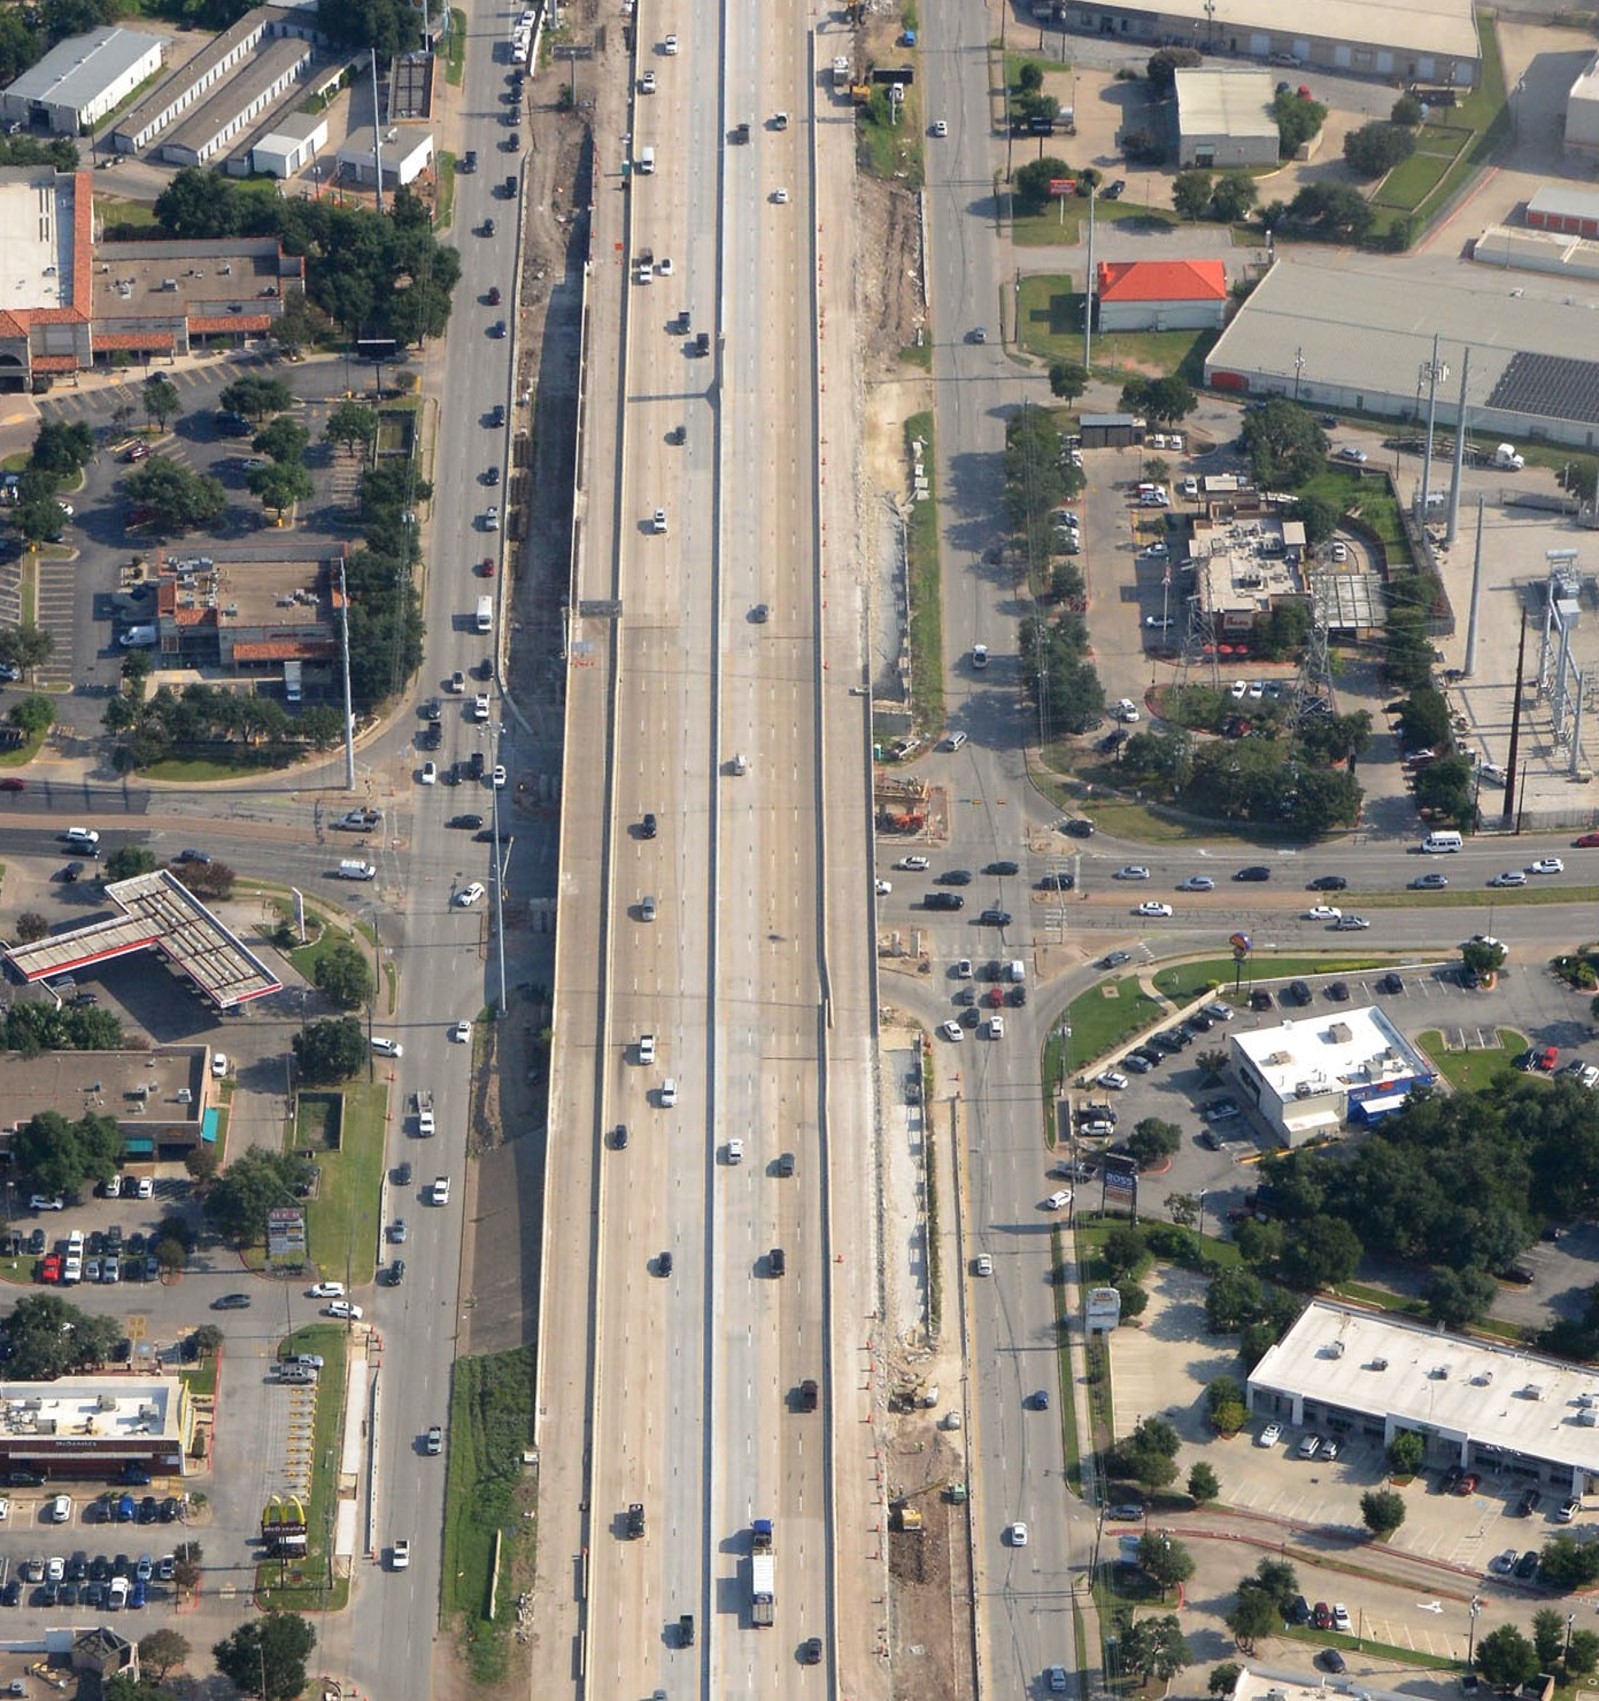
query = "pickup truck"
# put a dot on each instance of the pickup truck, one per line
(358, 821)
(426, 1128)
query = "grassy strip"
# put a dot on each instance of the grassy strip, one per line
(1071, 1445)
(1377, 1650)
(935, 1261)
(444, 210)
(927, 608)
(343, 1217)
(890, 147)
(201, 1379)
(455, 48)
(325, 935)
(308, 1585)
(1101, 1018)
(491, 1422)
(1468, 898)
(1470, 1071)
(1049, 228)
(1183, 981)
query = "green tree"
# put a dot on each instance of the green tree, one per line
(345, 975)
(390, 26)
(251, 1186)
(1165, 1561)
(1163, 401)
(1377, 148)
(30, 925)
(1298, 120)
(38, 517)
(1333, 211)
(199, 204)
(1286, 446)
(1135, 1300)
(62, 448)
(48, 1338)
(1156, 1649)
(1125, 1250)
(1223, 1679)
(1321, 1253)
(34, 715)
(67, 1157)
(256, 398)
(1569, 1564)
(1228, 1405)
(124, 1686)
(1457, 1298)
(1382, 1512)
(161, 402)
(1253, 1618)
(1582, 1656)
(1548, 1637)
(1505, 1657)
(352, 426)
(175, 500)
(1067, 379)
(1423, 722)
(1163, 66)
(169, 1254)
(162, 1651)
(1030, 78)
(27, 647)
(1406, 1452)
(1481, 958)
(1191, 192)
(285, 440)
(1203, 1483)
(1233, 196)
(280, 486)
(126, 861)
(1149, 1454)
(1152, 1140)
(267, 1656)
(1030, 184)
(1278, 1580)
(1233, 1299)
(331, 1051)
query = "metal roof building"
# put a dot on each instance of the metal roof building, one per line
(1357, 336)
(1224, 118)
(79, 81)
(1426, 41)
(1478, 1404)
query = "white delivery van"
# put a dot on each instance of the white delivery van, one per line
(485, 614)
(1437, 844)
(353, 869)
(646, 159)
(1016, 972)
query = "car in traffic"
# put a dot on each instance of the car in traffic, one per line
(1256, 871)
(1428, 883)
(1131, 871)
(1547, 865)
(982, 1265)
(1349, 924)
(346, 1310)
(1059, 1199)
(1152, 907)
(1323, 912)
(1018, 1534)
(231, 1302)
(1197, 883)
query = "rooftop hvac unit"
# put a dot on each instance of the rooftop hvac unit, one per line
(1439, 1373)
(1532, 1392)
(1483, 1379)
(106, 1403)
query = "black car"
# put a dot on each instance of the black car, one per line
(475, 768)
(467, 822)
(1200, 1023)
(1080, 827)
(1527, 1565)
(149, 1509)
(1257, 871)
(943, 901)
(1529, 1503)
(1018, 995)
(1299, 991)
(1391, 983)
(810, 1652)
(36, 1242)
(488, 835)
(1058, 883)
(432, 710)
(955, 877)
(648, 827)
(1114, 190)
(1115, 959)
(1003, 868)
(994, 918)
(1260, 999)
(1153, 1057)
(1329, 1659)
(402, 1175)
(1112, 741)
(24, 1479)
(231, 1302)
(396, 1272)
(170, 1508)
(663, 1264)
(776, 1262)
(1338, 992)
(13, 1593)
(619, 1137)
(1327, 883)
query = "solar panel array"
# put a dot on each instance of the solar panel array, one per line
(1555, 386)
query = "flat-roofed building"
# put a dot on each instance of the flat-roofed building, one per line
(1310, 1076)
(160, 1098)
(1224, 118)
(95, 1428)
(287, 147)
(1564, 209)
(1478, 1404)
(1244, 564)
(1582, 111)
(82, 79)
(250, 617)
(407, 152)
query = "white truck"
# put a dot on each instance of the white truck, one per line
(843, 72)
(426, 1127)
(763, 1574)
(1507, 460)
(485, 614)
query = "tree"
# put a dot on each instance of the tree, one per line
(1482, 959)
(38, 516)
(251, 1186)
(1124, 1250)
(163, 1651)
(1505, 1657)
(1254, 1618)
(1228, 1405)
(1298, 120)
(1457, 1298)
(1135, 1300)
(1569, 1564)
(49, 1338)
(1548, 1637)
(34, 715)
(1203, 1483)
(1382, 1512)
(285, 440)
(1407, 110)
(255, 398)
(1223, 1679)
(1163, 66)
(1149, 1454)
(1030, 78)
(352, 425)
(1321, 1253)
(124, 1686)
(1156, 1648)
(1233, 1299)
(1406, 1452)
(161, 401)
(1235, 193)
(1163, 401)
(1582, 1654)
(267, 1656)
(202, 1163)
(1153, 1139)
(187, 1555)
(1278, 1580)
(1191, 192)
(345, 975)
(331, 1051)
(169, 1254)
(280, 486)
(67, 1157)
(198, 204)
(1286, 446)
(389, 26)
(1423, 721)
(1377, 148)
(63, 449)
(30, 925)
(1164, 1561)
(208, 879)
(1067, 379)
(175, 500)
(27, 647)
(1030, 184)
(128, 860)
(1334, 211)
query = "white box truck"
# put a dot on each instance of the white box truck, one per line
(485, 614)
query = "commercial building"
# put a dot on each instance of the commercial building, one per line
(1110, 430)
(407, 152)
(1224, 119)
(293, 141)
(1245, 564)
(1582, 111)
(1161, 295)
(161, 1098)
(1566, 210)
(1478, 1404)
(94, 1428)
(1310, 1076)
(81, 80)
(1356, 337)
(1425, 41)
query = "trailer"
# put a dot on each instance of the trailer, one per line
(763, 1574)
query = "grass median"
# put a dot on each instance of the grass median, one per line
(343, 1217)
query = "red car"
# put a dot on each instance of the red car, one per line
(1322, 1616)
(11, 783)
(1468, 1484)
(486, 567)
(494, 296)
(51, 1269)
(1588, 841)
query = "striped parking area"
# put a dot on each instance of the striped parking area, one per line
(55, 608)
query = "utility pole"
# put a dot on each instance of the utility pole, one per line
(1507, 819)
(344, 658)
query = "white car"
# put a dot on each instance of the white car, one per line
(1153, 907)
(780, 196)
(491, 520)
(1547, 865)
(1341, 1619)
(1510, 877)
(43, 1202)
(469, 895)
(658, 522)
(963, 969)
(1270, 1435)
(400, 1554)
(669, 45)
(497, 778)
(664, 265)
(1156, 551)
(1133, 871)
(951, 1031)
(912, 864)
(1111, 1079)
(1350, 453)
(646, 1048)
(735, 1151)
(461, 1032)
(1018, 1535)
(1059, 1200)
(219, 1065)
(61, 1509)
(480, 706)
(669, 1093)
(1197, 883)
(940, 128)
(343, 1309)
(430, 774)
(325, 1290)
(982, 1265)
(387, 1047)
(996, 1027)
(647, 83)
(1126, 710)
(1323, 912)
(884, 887)
(1238, 690)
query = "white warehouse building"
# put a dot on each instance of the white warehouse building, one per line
(1309, 1077)
(1224, 119)
(79, 81)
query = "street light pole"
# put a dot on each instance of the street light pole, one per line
(1471, 1634)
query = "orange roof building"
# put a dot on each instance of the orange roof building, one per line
(1161, 295)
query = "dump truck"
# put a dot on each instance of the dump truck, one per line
(763, 1575)
(426, 1127)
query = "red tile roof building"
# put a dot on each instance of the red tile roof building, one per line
(1161, 295)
